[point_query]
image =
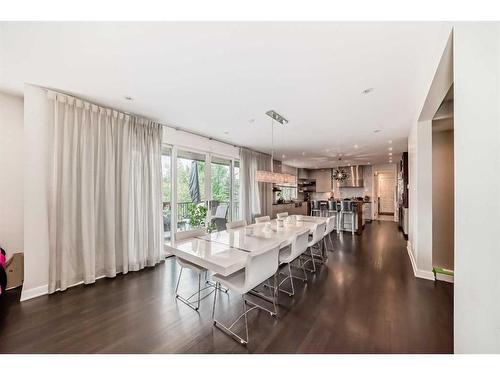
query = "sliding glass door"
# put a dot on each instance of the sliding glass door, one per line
(199, 190)
(235, 205)
(190, 190)
(220, 188)
(166, 165)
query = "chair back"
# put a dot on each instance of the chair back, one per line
(261, 265)
(262, 219)
(346, 206)
(236, 224)
(282, 215)
(299, 245)
(330, 224)
(318, 233)
(180, 236)
(315, 205)
(221, 212)
(332, 206)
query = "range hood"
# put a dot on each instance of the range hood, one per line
(354, 177)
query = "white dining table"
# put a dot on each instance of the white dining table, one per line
(226, 252)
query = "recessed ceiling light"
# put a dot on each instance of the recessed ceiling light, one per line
(389, 141)
(367, 91)
(369, 163)
(128, 98)
(390, 161)
(390, 153)
(377, 130)
(390, 148)
(303, 153)
(356, 146)
(283, 156)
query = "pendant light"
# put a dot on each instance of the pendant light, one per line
(339, 174)
(272, 177)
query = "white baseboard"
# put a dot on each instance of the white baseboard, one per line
(422, 274)
(447, 278)
(34, 292)
(44, 289)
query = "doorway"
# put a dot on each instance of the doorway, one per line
(385, 195)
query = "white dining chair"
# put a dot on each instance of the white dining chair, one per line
(262, 219)
(260, 266)
(195, 305)
(289, 255)
(315, 244)
(330, 228)
(282, 215)
(236, 224)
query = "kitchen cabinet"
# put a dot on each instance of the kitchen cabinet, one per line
(323, 179)
(303, 173)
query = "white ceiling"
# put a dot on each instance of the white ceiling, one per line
(218, 79)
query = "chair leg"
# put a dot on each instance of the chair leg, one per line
(178, 281)
(246, 320)
(291, 278)
(215, 300)
(199, 291)
(303, 270)
(312, 258)
(275, 292)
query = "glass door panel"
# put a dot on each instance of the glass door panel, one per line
(220, 171)
(166, 165)
(191, 204)
(235, 209)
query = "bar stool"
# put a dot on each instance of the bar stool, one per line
(323, 207)
(347, 208)
(315, 208)
(333, 211)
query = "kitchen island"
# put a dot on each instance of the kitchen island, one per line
(293, 208)
(359, 221)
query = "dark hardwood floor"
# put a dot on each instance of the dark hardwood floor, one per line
(365, 300)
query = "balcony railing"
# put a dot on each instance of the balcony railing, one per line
(183, 212)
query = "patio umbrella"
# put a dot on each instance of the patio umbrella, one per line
(194, 184)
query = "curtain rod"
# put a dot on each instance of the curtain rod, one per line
(147, 118)
(176, 128)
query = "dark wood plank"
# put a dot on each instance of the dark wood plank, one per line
(364, 300)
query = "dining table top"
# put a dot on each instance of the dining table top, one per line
(226, 252)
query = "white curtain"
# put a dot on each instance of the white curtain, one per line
(256, 197)
(105, 196)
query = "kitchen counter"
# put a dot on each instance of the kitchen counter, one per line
(293, 208)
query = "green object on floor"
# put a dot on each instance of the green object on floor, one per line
(442, 271)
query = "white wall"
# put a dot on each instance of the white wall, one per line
(11, 174)
(442, 196)
(477, 200)
(420, 166)
(36, 167)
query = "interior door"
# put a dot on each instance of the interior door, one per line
(386, 194)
